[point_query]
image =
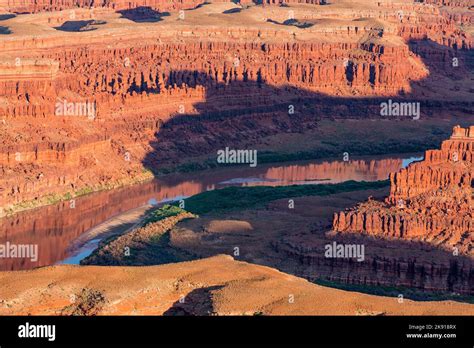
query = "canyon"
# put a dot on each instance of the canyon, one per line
(420, 236)
(429, 201)
(109, 108)
(292, 237)
(168, 86)
(60, 227)
(294, 241)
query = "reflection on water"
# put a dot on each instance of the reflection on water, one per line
(55, 227)
(326, 172)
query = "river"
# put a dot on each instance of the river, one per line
(66, 233)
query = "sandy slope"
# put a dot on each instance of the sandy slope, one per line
(217, 285)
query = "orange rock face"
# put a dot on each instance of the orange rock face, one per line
(430, 201)
(231, 287)
(34, 6)
(156, 82)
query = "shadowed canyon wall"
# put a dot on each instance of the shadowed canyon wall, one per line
(421, 236)
(183, 88)
(393, 264)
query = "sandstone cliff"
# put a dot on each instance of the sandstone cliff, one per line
(162, 89)
(56, 5)
(430, 201)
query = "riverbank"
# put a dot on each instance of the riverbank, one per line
(117, 225)
(333, 140)
(149, 244)
(52, 199)
(287, 228)
(145, 245)
(63, 224)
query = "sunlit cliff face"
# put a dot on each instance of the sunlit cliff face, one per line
(144, 68)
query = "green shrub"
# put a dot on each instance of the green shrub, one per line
(162, 213)
(238, 198)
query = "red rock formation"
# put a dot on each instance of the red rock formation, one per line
(117, 90)
(395, 264)
(34, 6)
(140, 79)
(430, 201)
(450, 3)
(450, 167)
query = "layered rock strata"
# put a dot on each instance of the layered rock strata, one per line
(386, 263)
(35, 6)
(430, 201)
(163, 89)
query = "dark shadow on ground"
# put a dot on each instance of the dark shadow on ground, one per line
(292, 22)
(143, 14)
(5, 30)
(200, 5)
(252, 107)
(233, 10)
(283, 3)
(4, 17)
(197, 302)
(80, 26)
